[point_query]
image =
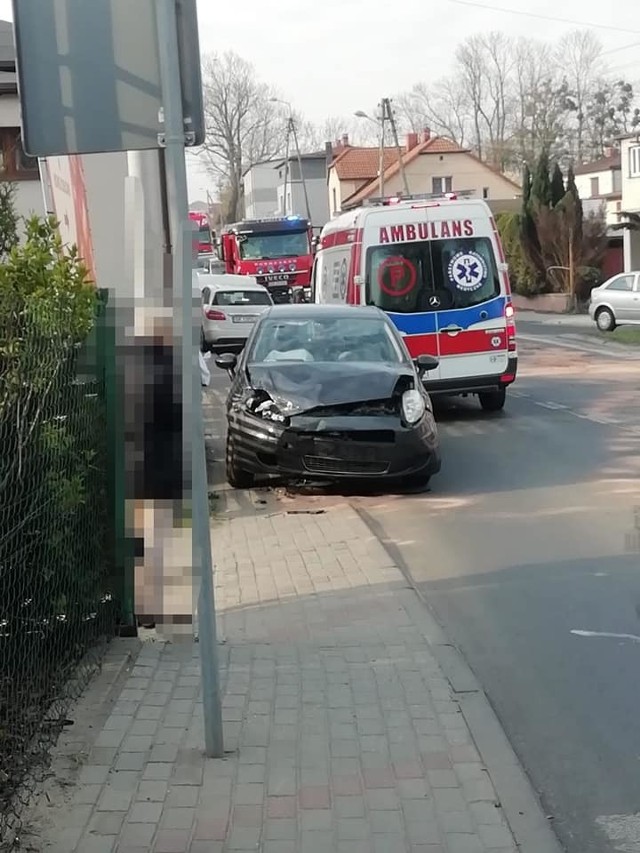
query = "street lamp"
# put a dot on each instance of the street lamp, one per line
(380, 124)
(291, 130)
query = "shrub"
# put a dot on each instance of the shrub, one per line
(52, 493)
(523, 276)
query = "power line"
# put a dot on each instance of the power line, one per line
(624, 47)
(544, 17)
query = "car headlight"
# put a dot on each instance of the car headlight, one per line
(413, 406)
(267, 410)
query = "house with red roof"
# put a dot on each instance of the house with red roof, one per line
(432, 164)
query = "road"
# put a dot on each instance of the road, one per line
(526, 543)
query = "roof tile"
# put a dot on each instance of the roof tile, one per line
(361, 164)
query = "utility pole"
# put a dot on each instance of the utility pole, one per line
(286, 172)
(173, 141)
(572, 273)
(292, 126)
(381, 162)
(388, 112)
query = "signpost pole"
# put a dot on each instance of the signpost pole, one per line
(193, 432)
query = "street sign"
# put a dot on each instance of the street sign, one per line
(89, 75)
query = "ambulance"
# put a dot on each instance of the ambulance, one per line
(436, 266)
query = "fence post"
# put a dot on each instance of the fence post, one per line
(123, 546)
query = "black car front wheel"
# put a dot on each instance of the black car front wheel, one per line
(237, 477)
(493, 401)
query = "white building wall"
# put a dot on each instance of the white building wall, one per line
(296, 204)
(260, 185)
(605, 183)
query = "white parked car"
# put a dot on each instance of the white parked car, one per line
(616, 302)
(231, 304)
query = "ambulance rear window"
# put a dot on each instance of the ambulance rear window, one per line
(436, 275)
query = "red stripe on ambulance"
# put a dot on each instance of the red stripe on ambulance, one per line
(421, 344)
(342, 238)
(473, 342)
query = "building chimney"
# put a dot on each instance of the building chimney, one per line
(329, 153)
(426, 134)
(412, 141)
(345, 140)
(609, 151)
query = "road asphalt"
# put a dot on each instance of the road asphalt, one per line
(527, 550)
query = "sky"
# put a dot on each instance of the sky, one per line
(340, 56)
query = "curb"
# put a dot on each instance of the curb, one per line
(520, 804)
(583, 345)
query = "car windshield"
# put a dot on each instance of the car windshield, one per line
(334, 339)
(256, 247)
(241, 297)
(437, 275)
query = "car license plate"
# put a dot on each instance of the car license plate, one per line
(245, 318)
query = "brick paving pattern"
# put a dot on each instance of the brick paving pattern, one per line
(342, 733)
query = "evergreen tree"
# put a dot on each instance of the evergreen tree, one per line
(557, 186)
(9, 218)
(578, 216)
(541, 182)
(526, 185)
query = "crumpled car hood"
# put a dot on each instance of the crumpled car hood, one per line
(297, 388)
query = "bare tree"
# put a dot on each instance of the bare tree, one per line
(543, 102)
(580, 55)
(244, 125)
(486, 67)
(444, 107)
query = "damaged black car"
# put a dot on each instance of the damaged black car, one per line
(325, 392)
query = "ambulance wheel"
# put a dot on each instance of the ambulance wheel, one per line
(493, 401)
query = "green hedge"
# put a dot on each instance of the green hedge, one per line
(55, 600)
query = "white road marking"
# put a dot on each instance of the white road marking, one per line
(552, 406)
(605, 634)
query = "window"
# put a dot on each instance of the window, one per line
(328, 340)
(442, 185)
(595, 187)
(485, 192)
(269, 247)
(15, 164)
(634, 161)
(335, 200)
(623, 282)
(441, 275)
(241, 297)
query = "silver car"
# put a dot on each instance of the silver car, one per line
(616, 302)
(231, 304)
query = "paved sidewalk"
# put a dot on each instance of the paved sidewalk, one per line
(341, 730)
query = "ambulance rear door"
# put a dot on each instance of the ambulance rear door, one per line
(466, 294)
(397, 268)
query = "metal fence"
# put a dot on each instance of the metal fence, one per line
(58, 594)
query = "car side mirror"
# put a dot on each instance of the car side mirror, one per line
(425, 363)
(227, 361)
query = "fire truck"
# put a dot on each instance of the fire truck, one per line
(205, 239)
(276, 251)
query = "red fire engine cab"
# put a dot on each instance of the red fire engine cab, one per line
(277, 251)
(205, 240)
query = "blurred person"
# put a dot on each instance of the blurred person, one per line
(163, 568)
